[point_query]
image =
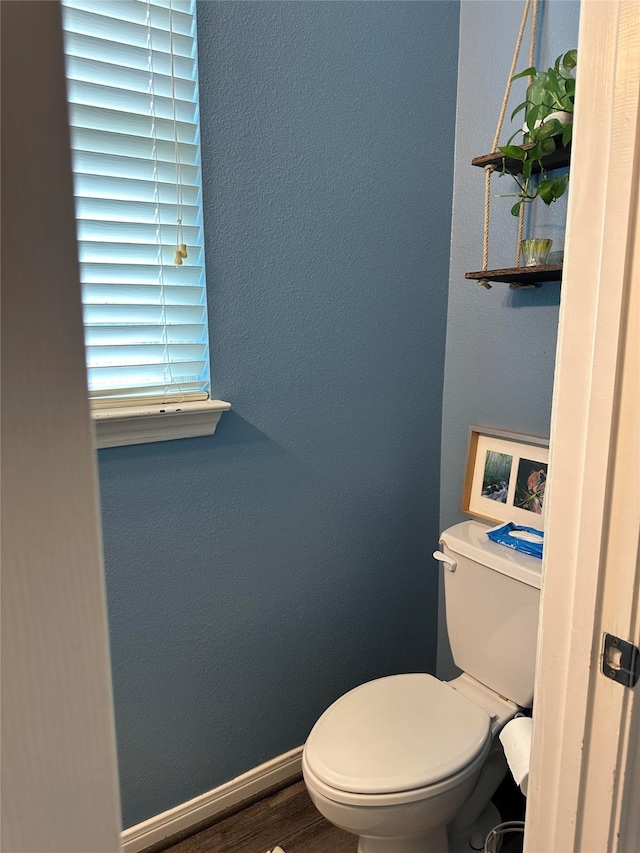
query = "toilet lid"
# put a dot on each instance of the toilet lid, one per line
(396, 734)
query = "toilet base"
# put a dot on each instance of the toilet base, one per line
(437, 841)
(474, 842)
(434, 842)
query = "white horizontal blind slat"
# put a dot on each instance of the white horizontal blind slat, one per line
(119, 121)
(108, 398)
(173, 378)
(116, 210)
(114, 166)
(127, 100)
(100, 316)
(94, 23)
(127, 232)
(133, 107)
(118, 274)
(124, 145)
(134, 79)
(99, 186)
(177, 333)
(136, 13)
(146, 355)
(127, 55)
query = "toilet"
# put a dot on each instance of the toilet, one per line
(409, 763)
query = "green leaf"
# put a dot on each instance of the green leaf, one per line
(536, 152)
(553, 83)
(518, 108)
(560, 185)
(515, 210)
(565, 73)
(549, 128)
(567, 133)
(548, 145)
(570, 86)
(535, 90)
(532, 116)
(513, 151)
(570, 59)
(545, 191)
(528, 72)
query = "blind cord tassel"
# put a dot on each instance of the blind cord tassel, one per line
(181, 251)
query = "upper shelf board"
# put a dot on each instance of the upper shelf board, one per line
(559, 158)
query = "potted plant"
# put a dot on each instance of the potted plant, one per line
(548, 123)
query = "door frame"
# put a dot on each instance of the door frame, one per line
(585, 725)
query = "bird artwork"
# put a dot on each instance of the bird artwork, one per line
(532, 478)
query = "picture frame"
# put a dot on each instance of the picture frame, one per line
(505, 477)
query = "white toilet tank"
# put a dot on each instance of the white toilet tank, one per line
(492, 601)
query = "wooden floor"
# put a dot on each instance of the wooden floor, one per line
(288, 819)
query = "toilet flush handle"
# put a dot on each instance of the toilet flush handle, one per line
(449, 564)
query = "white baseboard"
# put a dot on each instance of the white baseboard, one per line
(279, 770)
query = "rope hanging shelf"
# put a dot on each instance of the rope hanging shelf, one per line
(517, 276)
(556, 160)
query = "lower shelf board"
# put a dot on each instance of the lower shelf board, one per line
(520, 275)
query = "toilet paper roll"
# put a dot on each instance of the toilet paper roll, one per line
(516, 740)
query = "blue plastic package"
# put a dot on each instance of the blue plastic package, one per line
(526, 539)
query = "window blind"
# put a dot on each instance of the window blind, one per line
(133, 111)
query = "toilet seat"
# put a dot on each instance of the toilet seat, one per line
(398, 738)
(395, 798)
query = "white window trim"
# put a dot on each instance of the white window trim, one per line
(144, 413)
(118, 427)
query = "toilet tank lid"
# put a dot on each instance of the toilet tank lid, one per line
(469, 539)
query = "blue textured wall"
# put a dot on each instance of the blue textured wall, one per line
(255, 576)
(500, 343)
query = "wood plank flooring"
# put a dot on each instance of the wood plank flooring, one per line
(288, 819)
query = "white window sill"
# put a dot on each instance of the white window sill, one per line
(129, 425)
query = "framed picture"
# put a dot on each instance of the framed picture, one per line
(506, 477)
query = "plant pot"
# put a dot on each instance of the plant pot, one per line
(562, 116)
(535, 251)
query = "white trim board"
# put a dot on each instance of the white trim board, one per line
(123, 425)
(281, 770)
(581, 796)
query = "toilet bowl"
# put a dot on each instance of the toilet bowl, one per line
(394, 760)
(409, 763)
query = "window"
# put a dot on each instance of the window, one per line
(133, 111)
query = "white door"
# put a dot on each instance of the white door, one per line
(585, 774)
(59, 779)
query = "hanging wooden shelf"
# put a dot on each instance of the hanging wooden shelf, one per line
(556, 160)
(520, 275)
